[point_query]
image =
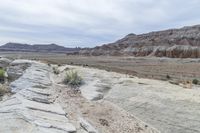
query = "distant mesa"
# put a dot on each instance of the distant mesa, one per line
(37, 48)
(173, 43)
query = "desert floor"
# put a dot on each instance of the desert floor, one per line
(145, 67)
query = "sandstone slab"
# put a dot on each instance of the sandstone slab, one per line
(32, 108)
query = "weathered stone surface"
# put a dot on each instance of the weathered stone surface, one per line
(167, 107)
(35, 76)
(31, 109)
(93, 88)
(87, 126)
(17, 68)
(4, 62)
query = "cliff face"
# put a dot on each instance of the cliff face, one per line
(174, 43)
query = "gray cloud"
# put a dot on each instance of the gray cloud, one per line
(88, 23)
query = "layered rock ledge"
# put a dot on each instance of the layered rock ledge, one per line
(32, 108)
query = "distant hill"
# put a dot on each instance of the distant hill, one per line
(37, 48)
(174, 43)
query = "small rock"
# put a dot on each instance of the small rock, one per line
(87, 126)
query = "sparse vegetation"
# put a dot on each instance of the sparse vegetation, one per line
(72, 78)
(56, 70)
(195, 81)
(2, 75)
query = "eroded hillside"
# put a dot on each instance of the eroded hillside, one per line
(174, 43)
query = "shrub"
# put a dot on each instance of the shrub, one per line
(195, 81)
(55, 70)
(2, 74)
(72, 78)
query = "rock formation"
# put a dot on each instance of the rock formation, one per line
(174, 43)
(32, 108)
(17, 68)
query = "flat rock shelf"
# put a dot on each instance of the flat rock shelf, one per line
(32, 108)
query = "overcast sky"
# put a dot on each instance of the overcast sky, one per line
(87, 23)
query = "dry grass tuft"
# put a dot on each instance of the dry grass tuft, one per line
(2, 74)
(72, 78)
